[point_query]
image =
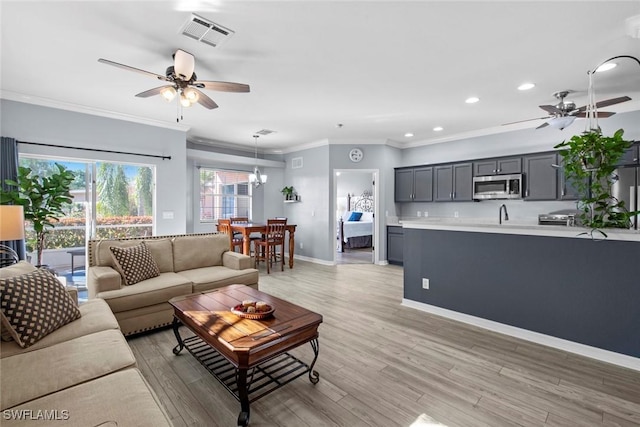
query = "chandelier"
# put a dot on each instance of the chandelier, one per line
(257, 178)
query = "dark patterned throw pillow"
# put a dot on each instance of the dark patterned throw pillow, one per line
(34, 305)
(135, 263)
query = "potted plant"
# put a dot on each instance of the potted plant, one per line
(589, 162)
(43, 199)
(288, 193)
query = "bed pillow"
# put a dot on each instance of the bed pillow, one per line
(34, 305)
(367, 217)
(135, 264)
(355, 216)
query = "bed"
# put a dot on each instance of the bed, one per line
(355, 227)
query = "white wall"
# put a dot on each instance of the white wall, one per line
(33, 123)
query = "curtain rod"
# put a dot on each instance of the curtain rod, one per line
(94, 149)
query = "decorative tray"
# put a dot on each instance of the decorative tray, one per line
(241, 311)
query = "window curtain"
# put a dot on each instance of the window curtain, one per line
(9, 170)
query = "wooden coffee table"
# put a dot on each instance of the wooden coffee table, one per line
(249, 357)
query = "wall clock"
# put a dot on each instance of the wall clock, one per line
(355, 155)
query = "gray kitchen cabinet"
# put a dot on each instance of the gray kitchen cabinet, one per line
(631, 156)
(423, 184)
(395, 245)
(567, 189)
(541, 177)
(403, 191)
(497, 166)
(414, 184)
(453, 182)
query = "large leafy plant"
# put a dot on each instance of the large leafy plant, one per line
(43, 197)
(589, 162)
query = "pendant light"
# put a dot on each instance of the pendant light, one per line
(257, 178)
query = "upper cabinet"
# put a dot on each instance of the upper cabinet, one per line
(631, 156)
(414, 184)
(453, 182)
(497, 166)
(541, 176)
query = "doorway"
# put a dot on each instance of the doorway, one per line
(356, 208)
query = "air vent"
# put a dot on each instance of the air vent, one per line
(264, 132)
(296, 163)
(205, 31)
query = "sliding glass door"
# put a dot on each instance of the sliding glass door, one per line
(110, 200)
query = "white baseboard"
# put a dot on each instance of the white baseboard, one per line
(314, 260)
(536, 337)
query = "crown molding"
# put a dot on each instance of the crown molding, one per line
(46, 102)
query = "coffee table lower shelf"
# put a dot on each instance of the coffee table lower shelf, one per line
(261, 380)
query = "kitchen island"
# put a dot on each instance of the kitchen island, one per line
(543, 283)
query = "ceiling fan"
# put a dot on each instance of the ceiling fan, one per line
(182, 81)
(564, 112)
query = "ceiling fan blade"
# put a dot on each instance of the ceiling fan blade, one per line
(607, 102)
(545, 124)
(601, 114)
(152, 92)
(137, 70)
(222, 86)
(527, 120)
(612, 101)
(551, 109)
(184, 64)
(204, 100)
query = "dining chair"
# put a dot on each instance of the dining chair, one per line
(244, 220)
(224, 226)
(267, 247)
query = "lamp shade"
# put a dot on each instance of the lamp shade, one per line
(561, 122)
(11, 222)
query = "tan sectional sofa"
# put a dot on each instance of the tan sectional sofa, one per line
(187, 264)
(82, 374)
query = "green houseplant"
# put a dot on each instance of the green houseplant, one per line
(288, 193)
(43, 197)
(589, 161)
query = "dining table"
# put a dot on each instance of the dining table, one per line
(247, 228)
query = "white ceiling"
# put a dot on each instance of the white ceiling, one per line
(380, 68)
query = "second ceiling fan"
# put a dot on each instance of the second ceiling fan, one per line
(564, 112)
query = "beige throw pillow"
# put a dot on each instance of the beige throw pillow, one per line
(135, 264)
(34, 305)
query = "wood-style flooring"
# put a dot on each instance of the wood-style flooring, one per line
(385, 365)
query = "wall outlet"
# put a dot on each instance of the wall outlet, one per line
(426, 214)
(301, 245)
(419, 214)
(425, 283)
(455, 214)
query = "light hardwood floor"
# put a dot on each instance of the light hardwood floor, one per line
(382, 364)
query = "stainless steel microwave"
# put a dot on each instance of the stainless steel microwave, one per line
(497, 187)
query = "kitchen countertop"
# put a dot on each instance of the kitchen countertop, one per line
(522, 227)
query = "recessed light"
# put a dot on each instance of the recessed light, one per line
(438, 128)
(408, 135)
(337, 173)
(526, 86)
(472, 100)
(606, 67)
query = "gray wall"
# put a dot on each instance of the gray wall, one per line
(575, 289)
(33, 123)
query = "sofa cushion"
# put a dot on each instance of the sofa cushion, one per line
(123, 398)
(96, 317)
(215, 277)
(162, 253)
(198, 251)
(34, 305)
(135, 264)
(48, 370)
(146, 293)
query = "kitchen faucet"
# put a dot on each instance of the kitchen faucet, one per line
(506, 214)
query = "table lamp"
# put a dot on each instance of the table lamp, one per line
(11, 228)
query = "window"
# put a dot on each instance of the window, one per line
(224, 194)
